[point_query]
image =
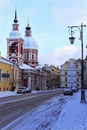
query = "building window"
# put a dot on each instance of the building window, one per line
(65, 85)
(13, 48)
(32, 56)
(65, 73)
(4, 89)
(77, 73)
(76, 65)
(66, 79)
(0, 75)
(77, 80)
(7, 76)
(77, 85)
(21, 49)
(25, 56)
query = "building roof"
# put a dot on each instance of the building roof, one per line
(3, 60)
(26, 67)
(39, 67)
(6, 61)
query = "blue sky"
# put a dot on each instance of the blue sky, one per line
(48, 20)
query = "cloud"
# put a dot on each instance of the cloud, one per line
(59, 55)
(65, 50)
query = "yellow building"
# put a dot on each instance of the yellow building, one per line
(53, 76)
(8, 75)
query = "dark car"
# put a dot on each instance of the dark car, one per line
(24, 90)
(68, 91)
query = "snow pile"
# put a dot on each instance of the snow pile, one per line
(8, 93)
(73, 116)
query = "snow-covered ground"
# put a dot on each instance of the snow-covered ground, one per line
(8, 93)
(59, 113)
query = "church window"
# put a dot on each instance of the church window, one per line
(13, 48)
(25, 56)
(21, 50)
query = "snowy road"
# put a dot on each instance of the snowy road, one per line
(13, 107)
(41, 118)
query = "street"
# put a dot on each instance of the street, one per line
(13, 107)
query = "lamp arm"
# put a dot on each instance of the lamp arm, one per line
(72, 29)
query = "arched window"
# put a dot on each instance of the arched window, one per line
(13, 48)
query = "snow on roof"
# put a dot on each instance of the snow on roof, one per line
(26, 67)
(39, 67)
(3, 60)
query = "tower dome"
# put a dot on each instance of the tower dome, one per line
(15, 34)
(15, 31)
(29, 42)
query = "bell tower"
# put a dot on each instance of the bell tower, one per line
(15, 43)
(30, 48)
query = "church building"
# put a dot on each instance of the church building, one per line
(24, 53)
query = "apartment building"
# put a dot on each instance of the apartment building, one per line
(71, 73)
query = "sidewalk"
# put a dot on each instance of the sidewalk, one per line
(73, 116)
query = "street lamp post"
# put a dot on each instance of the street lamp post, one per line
(72, 31)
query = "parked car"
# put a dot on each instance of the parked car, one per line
(74, 89)
(24, 90)
(68, 91)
